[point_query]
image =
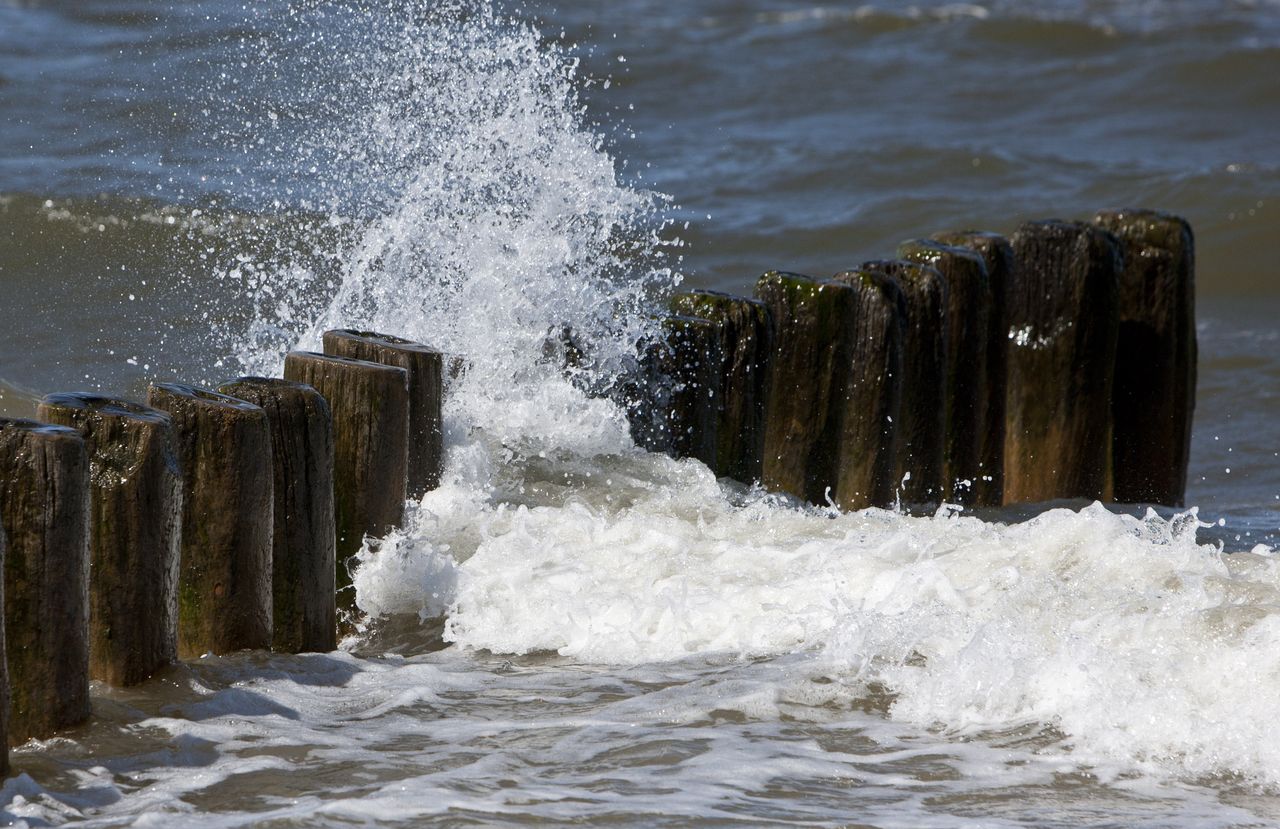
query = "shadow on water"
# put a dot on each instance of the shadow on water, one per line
(402, 634)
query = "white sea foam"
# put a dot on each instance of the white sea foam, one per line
(553, 533)
(1142, 647)
(448, 735)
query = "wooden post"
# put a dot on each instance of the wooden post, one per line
(644, 395)
(872, 391)
(303, 572)
(426, 387)
(224, 451)
(745, 341)
(922, 430)
(1063, 322)
(370, 407)
(997, 256)
(4, 672)
(968, 330)
(692, 365)
(44, 510)
(135, 529)
(1155, 382)
(807, 376)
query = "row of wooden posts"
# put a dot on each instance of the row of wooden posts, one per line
(203, 522)
(1059, 363)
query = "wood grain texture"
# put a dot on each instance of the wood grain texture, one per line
(426, 393)
(1063, 323)
(224, 451)
(872, 392)
(807, 375)
(1155, 384)
(997, 256)
(135, 530)
(44, 511)
(691, 364)
(968, 312)
(303, 537)
(370, 407)
(745, 336)
(922, 430)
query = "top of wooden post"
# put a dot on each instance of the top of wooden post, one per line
(348, 363)
(963, 238)
(708, 304)
(1150, 227)
(171, 393)
(264, 383)
(376, 338)
(933, 251)
(84, 404)
(874, 279)
(906, 271)
(48, 431)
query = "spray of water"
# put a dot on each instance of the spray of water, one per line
(493, 218)
(492, 222)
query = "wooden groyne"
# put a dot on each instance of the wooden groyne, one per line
(971, 369)
(205, 522)
(1058, 363)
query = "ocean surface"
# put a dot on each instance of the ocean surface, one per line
(571, 630)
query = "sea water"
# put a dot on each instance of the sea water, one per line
(571, 629)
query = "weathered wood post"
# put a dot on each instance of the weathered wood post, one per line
(671, 393)
(968, 330)
(1155, 382)
(44, 511)
(302, 571)
(997, 256)
(4, 673)
(370, 407)
(745, 341)
(135, 529)
(224, 451)
(1063, 322)
(426, 388)
(808, 371)
(922, 430)
(644, 394)
(692, 363)
(872, 391)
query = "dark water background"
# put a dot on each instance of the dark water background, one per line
(146, 148)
